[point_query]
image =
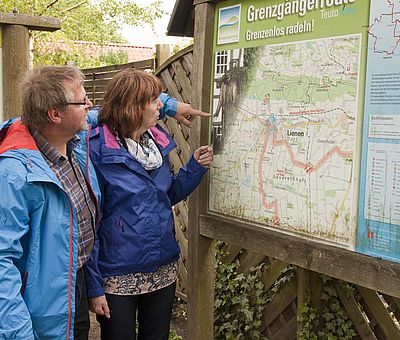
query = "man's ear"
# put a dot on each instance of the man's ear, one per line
(54, 116)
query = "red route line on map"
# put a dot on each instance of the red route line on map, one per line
(308, 167)
(274, 203)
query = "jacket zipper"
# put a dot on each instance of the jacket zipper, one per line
(70, 268)
(24, 280)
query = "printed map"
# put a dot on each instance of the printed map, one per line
(384, 28)
(288, 144)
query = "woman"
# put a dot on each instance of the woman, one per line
(134, 263)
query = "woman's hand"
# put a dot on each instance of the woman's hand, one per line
(204, 155)
(99, 306)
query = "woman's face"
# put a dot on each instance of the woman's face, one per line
(151, 114)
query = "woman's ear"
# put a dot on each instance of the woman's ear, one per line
(54, 116)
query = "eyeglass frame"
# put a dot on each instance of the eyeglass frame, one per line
(86, 100)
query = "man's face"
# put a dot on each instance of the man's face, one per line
(74, 117)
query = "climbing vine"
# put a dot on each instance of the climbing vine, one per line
(239, 302)
(333, 321)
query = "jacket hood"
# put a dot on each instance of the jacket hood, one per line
(15, 135)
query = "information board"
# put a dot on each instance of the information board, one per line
(379, 213)
(306, 119)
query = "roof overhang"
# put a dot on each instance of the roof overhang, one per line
(181, 23)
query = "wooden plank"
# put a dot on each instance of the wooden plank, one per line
(288, 332)
(397, 302)
(186, 133)
(344, 264)
(391, 306)
(173, 126)
(183, 243)
(184, 81)
(186, 62)
(172, 90)
(272, 273)
(183, 212)
(230, 253)
(201, 249)
(100, 78)
(182, 274)
(302, 289)
(96, 82)
(316, 289)
(356, 315)
(15, 58)
(380, 313)
(181, 295)
(32, 22)
(176, 161)
(283, 299)
(176, 56)
(141, 64)
(251, 259)
(97, 101)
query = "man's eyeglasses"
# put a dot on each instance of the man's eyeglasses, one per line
(84, 102)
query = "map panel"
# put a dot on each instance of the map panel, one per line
(285, 144)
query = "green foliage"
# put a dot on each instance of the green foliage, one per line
(174, 336)
(333, 322)
(308, 317)
(181, 45)
(239, 302)
(180, 308)
(97, 21)
(114, 58)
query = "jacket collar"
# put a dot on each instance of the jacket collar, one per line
(161, 137)
(15, 135)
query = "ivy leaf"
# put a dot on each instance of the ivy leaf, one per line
(324, 297)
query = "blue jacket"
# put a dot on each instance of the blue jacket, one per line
(136, 233)
(38, 240)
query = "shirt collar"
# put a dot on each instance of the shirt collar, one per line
(49, 151)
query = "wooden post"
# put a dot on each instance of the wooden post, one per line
(302, 291)
(163, 52)
(15, 55)
(15, 66)
(201, 250)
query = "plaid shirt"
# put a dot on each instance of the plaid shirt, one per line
(72, 180)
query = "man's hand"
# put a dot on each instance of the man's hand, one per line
(99, 306)
(185, 114)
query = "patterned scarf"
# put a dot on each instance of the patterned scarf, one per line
(145, 151)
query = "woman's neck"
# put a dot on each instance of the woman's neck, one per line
(136, 135)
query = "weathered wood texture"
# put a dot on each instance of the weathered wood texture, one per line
(15, 63)
(343, 264)
(96, 79)
(32, 22)
(374, 315)
(201, 255)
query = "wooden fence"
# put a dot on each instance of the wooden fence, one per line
(373, 315)
(97, 78)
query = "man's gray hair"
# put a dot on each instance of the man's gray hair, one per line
(45, 88)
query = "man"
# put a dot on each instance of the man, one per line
(48, 210)
(49, 207)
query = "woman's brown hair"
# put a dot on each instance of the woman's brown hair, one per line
(126, 96)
